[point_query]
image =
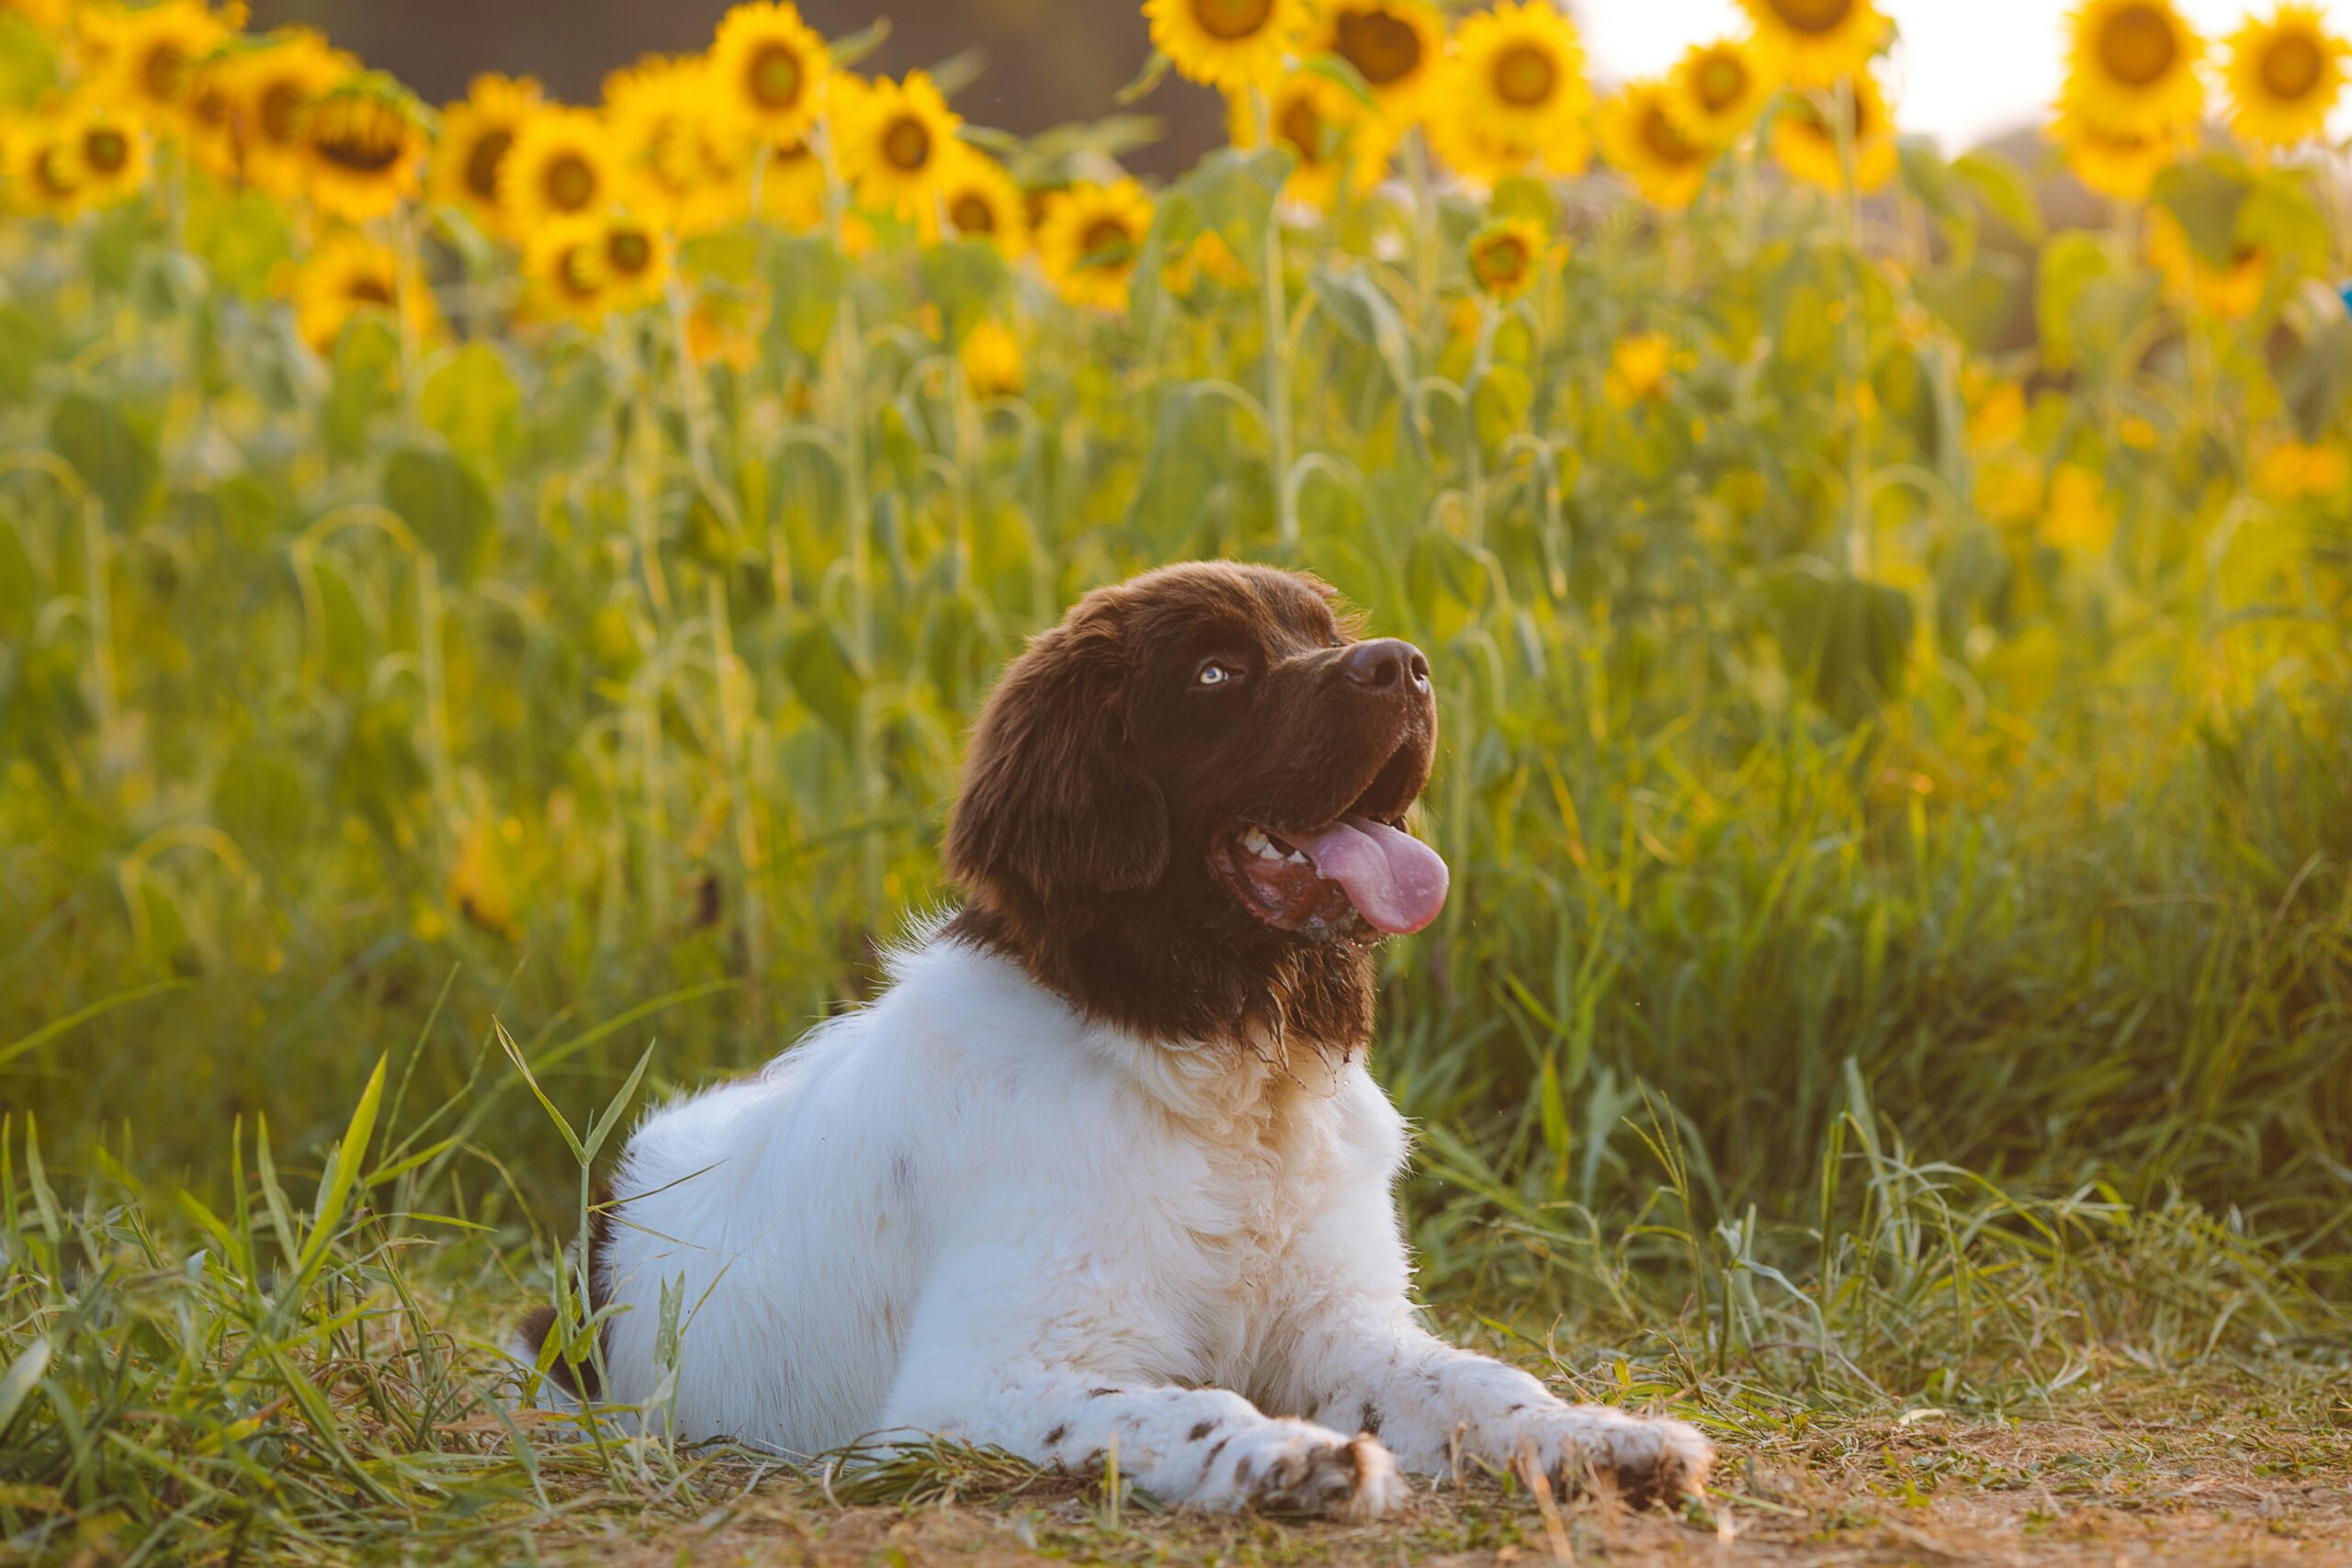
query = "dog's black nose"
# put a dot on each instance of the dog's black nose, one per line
(1387, 663)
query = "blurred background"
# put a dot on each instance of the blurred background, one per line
(1964, 71)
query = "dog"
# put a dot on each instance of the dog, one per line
(1102, 1168)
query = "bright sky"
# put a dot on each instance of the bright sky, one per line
(1963, 70)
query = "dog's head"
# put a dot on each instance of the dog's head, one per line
(1184, 806)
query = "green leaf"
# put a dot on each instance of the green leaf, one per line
(24, 342)
(114, 457)
(806, 277)
(968, 281)
(472, 402)
(242, 238)
(2205, 195)
(821, 670)
(2003, 187)
(23, 1376)
(2071, 264)
(1364, 314)
(363, 380)
(1848, 640)
(445, 502)
(337, 1185)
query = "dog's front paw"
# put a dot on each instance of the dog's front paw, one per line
(1643, 1459)
(1301, 1468)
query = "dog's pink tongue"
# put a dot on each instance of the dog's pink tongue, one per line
(1395, 881)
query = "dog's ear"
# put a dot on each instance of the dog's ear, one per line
(1055, 801)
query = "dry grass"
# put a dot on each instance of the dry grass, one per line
(2235, 1468)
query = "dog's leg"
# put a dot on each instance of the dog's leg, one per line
(1047, 1365)
(1370, 1365)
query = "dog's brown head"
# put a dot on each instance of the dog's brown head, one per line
(1183, 806)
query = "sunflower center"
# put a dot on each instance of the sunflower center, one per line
(105, 151)
(1812, 15)
(1503, 261)
(1299, 125)
(2137, 46)
(1230, 19)
(629, 252)
(1721, 80)
(210, 107)
(574, 276)
(569, 182)
(54, 173)
(282, 103)
(1107, 243)
(971, 214)
(2293, 66)
(1382, 47)
(482, 160)
(362, 146)
(1665, 138)
(1525, 75)
(163, 70)
(775, 76)
(370, 291)
(907, 144)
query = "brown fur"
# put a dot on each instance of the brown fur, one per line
(1099, 777)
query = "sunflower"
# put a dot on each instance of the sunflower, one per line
(215, 125)
(1090, 240)
(1816, 42)
(50, 16)
(1338, 141)
(86, 156)
(274, 86)
(770, 68)
(2284, 75)
(477, 134)
(565, 271)
(144, 59)
(2131, 68)
(1395, 45)
(1482, 153)
(992, 361)
(1508, 255)
(1522, 68)
(2231, 290)
(1640, 135)
(680, 160)
(792, 187)
(1805, 138)
(977, 200)
(2120, 166)
(1637, 369)
(1232, 44)
(896, 143)
(350, 275)
(561, 165)
(363, 150)
(1719, 88)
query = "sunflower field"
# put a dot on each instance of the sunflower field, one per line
(498, 587)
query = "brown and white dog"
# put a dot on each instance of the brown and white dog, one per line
(1102, 1166)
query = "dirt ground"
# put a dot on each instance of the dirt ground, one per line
(2093, 1483)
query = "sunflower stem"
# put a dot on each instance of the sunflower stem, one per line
(1850, 347)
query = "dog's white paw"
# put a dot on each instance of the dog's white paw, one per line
(1300, 1469)
(1643, 1459)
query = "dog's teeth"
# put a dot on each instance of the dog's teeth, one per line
(1254, 841)
(1299, 855)
(1267, 851)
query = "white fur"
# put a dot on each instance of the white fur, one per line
(965, 1210)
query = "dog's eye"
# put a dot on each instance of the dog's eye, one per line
(1214, 673)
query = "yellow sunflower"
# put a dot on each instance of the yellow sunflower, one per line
(1481, 149)
(477, 134)
(992, 361)
(792, 187)
(1231, 44)
(2132, 67)
(213, 119)
(1508, 255)
(1522, 67)
(363, 150)
(1637, 369)
(275, 86)
(1640, 136)
(1395, 45)
(49, 16)
(681, 160)
(350, 275)
(1805, 138)
(83, 157)
(1338, 143)
(1090, 240)
(561, 165)
(1816, 42)
(1719, 88)
(770, 68)
(977, 200)
(2120, 166)
(143, 59)
(2231, 290)
(896, 143)
(2285, 75)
